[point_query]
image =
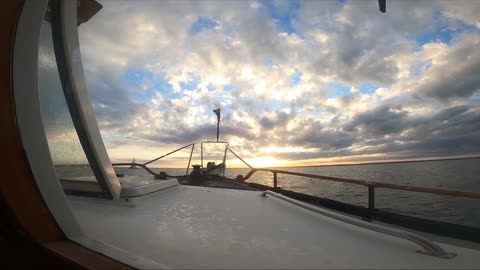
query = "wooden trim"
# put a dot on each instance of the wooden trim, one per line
(17, 186)
(82, 257)
(24, 209)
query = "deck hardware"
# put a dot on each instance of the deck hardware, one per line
(429, 247)
(371, 197)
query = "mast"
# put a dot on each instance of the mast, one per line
(382, 4)
(217, 112)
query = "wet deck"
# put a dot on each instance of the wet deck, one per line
(213, 181)
(201, 227)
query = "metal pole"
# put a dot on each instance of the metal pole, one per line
(225, 160)
(274, 180)
(155, 159)
(240, 158)
(190, 159)
(371, 197)
(218, 127)
(201, 153)
(217, 112)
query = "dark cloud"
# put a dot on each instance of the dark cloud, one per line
(279, 119)
(451, 123)
(266, 123)
(313, 134)
(459, 77)
(379, 122)
(451, 131)
(185, 135)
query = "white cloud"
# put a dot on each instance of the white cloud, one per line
(255, 5)
(247, 65)
(465, 11)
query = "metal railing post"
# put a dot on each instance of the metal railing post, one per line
(274, 180)
(371, 197)
(190, 159)
(225, 160)
(201, 153)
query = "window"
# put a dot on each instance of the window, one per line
(74, 141)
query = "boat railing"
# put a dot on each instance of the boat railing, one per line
(371, 185)
(145, 167)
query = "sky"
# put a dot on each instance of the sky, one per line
(298, 82)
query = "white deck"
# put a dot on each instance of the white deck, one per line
(197, 227)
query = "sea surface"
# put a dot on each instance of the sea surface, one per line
(448, 174)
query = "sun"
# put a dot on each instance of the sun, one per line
(260, 162)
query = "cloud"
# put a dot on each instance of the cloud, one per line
(156, 70)
(465, 11)
(382, 121)
(457, 73)
(277, 119)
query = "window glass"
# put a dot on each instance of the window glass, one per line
(65, 147)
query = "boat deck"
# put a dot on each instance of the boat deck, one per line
(213, 181)
(201, 227)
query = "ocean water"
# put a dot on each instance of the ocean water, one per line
(449, 174)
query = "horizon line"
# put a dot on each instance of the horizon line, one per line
(342, 164)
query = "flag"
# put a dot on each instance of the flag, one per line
(217, 112)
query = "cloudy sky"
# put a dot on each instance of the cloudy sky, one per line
(298, 82)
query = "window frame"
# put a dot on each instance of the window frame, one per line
(68, 57)
(31, 134)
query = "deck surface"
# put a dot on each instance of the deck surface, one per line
(201, 227)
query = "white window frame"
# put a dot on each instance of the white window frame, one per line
(31, 128)
(68, 57)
